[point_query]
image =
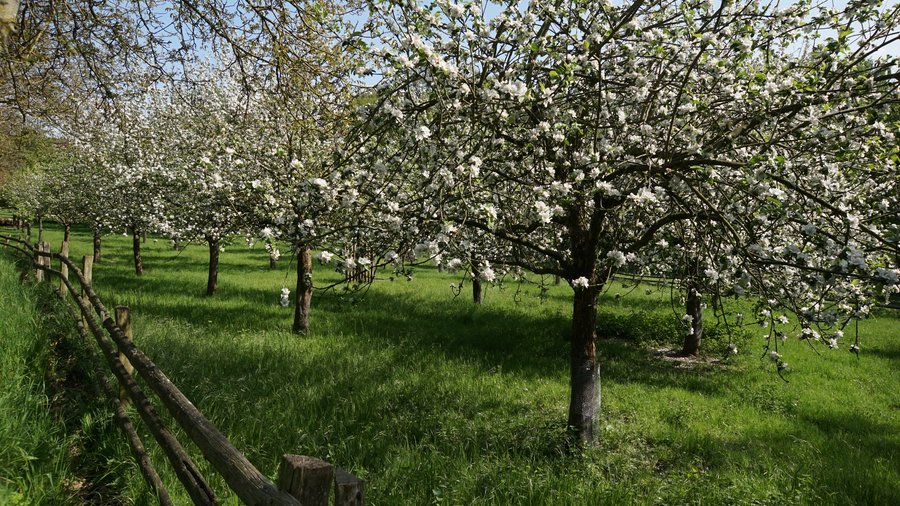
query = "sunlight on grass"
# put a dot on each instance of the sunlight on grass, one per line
(434, 401)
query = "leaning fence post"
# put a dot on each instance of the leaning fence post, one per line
(348, 489)
(123, 320)
(63, 270)
(308, 479)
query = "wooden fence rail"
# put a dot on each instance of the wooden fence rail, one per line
(302, 480)
(122, 419)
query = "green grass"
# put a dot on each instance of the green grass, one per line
(434, 401)
(33, 448)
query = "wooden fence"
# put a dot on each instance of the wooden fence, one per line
(302, 480)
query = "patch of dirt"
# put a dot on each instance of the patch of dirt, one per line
(679, 361)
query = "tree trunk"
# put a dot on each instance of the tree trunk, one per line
(136, 249)
(477, 291)
(40, 229)
(584, 401)
(304, 290)
(694, 308)
(212, 280)
(97, 245)
(67, 232)
(273, 264)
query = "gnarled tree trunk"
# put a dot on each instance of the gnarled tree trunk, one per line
(212, 280)
(584, 400)
(136, 250)
(304, 289)
(97, 245)
(67, 232)
(694, 308)
(477, 290)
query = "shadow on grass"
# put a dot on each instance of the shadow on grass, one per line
(392, 374)
(892, 354)
(487, 337)
(802, 464)
(362, 400)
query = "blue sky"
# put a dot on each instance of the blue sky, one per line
(492, 9)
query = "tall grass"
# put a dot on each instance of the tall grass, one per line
(33, 448)
(435, 401)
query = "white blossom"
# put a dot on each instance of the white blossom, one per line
(422, 133)
(617, 258)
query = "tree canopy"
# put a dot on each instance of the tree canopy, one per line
(748, 147)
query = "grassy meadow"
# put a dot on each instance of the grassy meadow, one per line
(435, 401)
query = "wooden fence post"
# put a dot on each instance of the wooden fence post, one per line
(46, 259)
(39, 261)
(87, 271)
(348, 489)
(63, 270)
(308, 479)
(123, 320)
